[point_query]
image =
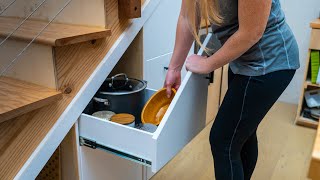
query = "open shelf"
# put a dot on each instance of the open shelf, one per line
(307, 86)
(54, 35)
(19, 97)
(315, 24)
(309, 83)
(307, 122)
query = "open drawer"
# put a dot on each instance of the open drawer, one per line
(184, 119)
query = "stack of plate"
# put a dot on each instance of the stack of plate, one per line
(124, 119)
(105, 115)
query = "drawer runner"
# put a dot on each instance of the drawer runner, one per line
(94, 145)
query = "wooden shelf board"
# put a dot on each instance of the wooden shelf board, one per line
(19, 97)
(315, 24)
(307, 122)
(308, 83)
(55, 34)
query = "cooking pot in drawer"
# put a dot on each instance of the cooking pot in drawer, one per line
(121, 94)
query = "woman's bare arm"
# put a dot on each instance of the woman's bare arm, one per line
(184, 40)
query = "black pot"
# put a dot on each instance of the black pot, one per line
(121, 94)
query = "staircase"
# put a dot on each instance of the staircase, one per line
(36, 89)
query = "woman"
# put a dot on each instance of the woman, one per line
(263, 56)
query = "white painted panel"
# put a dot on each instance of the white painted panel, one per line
(155, 71)
(98, 165)
(149, 173)
(83, 12)
(160, 29)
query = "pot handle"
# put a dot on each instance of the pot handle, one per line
(117, 76)
(106, 102)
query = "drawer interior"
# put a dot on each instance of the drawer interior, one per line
(147, 93)
(184, 119)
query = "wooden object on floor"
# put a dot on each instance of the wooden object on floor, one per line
(315, 24)
(314, 170)
(282, 156)
(130, 8)
(52, 170)
(307, 85)
(19, 97)
(55, 34)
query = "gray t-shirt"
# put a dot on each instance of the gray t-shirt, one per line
(276, 50)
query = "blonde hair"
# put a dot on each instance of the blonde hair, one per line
(202, 10)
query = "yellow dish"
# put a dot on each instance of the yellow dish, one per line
(156, 107)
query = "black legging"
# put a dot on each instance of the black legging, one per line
(233, 136)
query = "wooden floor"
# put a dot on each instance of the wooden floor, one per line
(285, 151)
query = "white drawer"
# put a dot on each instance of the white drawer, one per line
(185, 118)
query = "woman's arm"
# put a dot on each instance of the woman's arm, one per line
(184, 40)
(253, 17)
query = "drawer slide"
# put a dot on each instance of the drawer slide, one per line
(94, 145)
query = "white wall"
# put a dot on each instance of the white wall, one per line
(299, 14)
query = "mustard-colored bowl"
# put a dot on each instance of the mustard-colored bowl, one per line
(156, 107)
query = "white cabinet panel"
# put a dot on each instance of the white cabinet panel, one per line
(160, 29)
(155, 72)
(98, 165)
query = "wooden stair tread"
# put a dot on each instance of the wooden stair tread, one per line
(19, 97)
(315, 24)
(56, 34)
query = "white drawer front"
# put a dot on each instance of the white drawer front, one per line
(156, 71)
(185, 118)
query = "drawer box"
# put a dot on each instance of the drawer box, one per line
(184, 119)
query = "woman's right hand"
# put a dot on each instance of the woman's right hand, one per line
(173, 80)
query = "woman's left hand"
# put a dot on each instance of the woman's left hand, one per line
(198, 64)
